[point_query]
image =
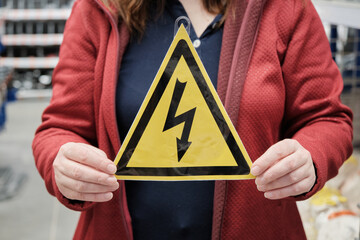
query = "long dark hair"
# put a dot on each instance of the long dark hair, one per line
(135, 13)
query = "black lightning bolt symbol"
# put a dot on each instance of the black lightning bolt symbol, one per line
(171, 121)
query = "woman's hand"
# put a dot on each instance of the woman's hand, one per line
(285, 169)
(83, 172)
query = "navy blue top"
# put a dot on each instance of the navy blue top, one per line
(164, 210)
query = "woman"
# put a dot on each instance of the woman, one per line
(272, 66)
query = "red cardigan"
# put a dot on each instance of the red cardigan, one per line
(284, 84)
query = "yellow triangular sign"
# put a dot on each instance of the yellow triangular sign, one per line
(182, 131)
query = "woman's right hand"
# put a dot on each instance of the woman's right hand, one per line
(83, 172)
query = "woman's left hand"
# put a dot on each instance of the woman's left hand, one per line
(285, 169)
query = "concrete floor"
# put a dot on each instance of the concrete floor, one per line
(32, 213)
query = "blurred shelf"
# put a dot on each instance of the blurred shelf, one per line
(32, 39)
(32, 31)
(339, 12)
(29, 62)
(34, 14)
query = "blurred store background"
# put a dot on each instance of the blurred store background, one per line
(31, 32)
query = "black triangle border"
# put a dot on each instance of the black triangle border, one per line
(182, 49)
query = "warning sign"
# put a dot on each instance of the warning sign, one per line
(182, 131)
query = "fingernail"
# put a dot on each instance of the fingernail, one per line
(255, 170)
(111, 168)
(260, 181)
(268, 195)
(108, 196)
(111, 180)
